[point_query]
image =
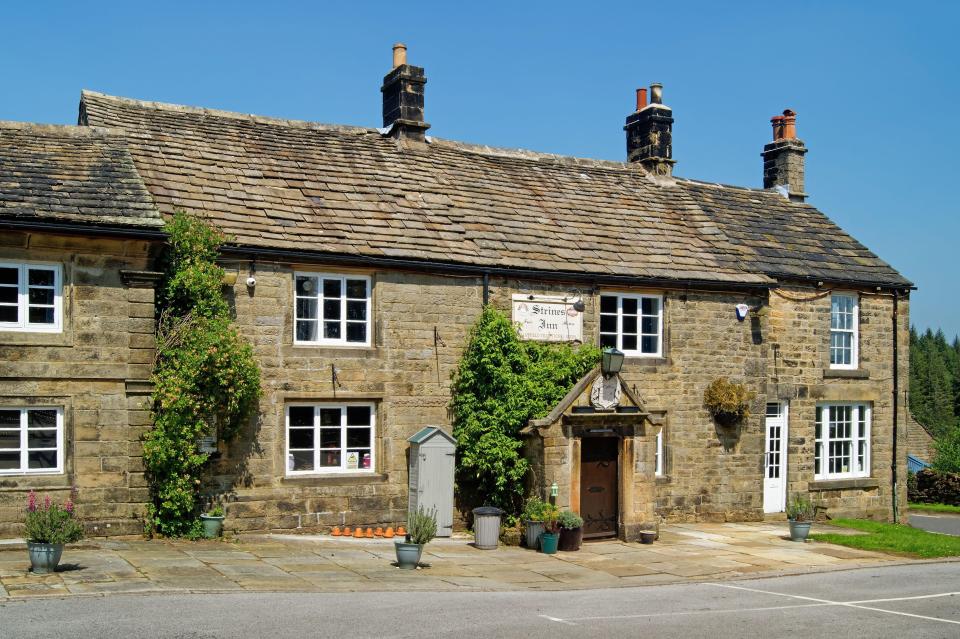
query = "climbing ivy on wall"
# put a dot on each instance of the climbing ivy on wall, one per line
(205, 377)
(502, 383)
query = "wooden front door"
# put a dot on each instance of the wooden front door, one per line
(599, 503)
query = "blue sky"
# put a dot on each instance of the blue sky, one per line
(873, 84)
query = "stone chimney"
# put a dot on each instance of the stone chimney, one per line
(403, 97)
(650, 133)
(783, 158)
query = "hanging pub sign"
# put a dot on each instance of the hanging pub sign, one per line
(547, 318)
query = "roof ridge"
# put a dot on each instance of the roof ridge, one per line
(69, 129)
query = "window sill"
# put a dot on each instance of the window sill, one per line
(845, 484)
(339, 479)
(846, 373)
(328, 350)
(645, 360)
(662, 479)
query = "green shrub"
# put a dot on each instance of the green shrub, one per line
(534, 509)
(800, 508)
(422, 525)
(206, 380)
(500, 384)
(947, 457)
(49, 523)
(570, 520)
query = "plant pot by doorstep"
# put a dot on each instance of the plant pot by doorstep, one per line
(570, 539)
(549, 542)
(647, 536)
(408, 555)
(212, 526)
(799, 530)
(533, 532)
(44, 558)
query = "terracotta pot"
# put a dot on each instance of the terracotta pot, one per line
(570, 539)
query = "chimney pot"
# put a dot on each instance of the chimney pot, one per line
(641, 98)
(656, 93)
(777, 122)
(399, 54)
(789, 124)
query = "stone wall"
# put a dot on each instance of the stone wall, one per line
(97, 369)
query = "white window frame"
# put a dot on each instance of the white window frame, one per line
(859, 412)
(330, 470)
(854, 332)
(23, 324)
(639, 297)
(24, 468)
(658, 455)
(342, 340)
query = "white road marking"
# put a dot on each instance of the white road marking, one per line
(569, 623)
(688, 612)
(942, 594)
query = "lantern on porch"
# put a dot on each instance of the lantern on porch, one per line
(611, 362)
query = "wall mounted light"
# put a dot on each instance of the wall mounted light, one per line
(554, 490)
(611, 362)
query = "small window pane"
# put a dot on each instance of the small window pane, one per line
(306, 331)
(301, 415)
(629, 323)
(306, 285)
(8, 295)
(40, 277)
(301, 438)
(356, 332)
(9, 275)
(42, 439)
(608, 323)
(42, 419)
(9, 461)
(331, 309)
(329, 438)
(302, 459)
(651, 306)
(330, 458)
(9, 314)
(40, 315)
(329, 416)
(608, 341)
(358, 415)
(307, 308)
(629, 342)
(649, 344)
(650, 325)
(629, 306)
(358, 438)
(331, 330)
(42, 459)
(357, 289)
(331, 288)
(9, 419)
(9, 439)
(608, 304)
(40, 296)
(356, 310)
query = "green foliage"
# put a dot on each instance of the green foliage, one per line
(551, 519)
(50, 523)
(422, 525)
(799, 508)
(205, 377)
(947, 458)
(893, 538)
(570, 520)
(216, 511)
(934, 508)
(502, 383)
(728, 402)
(534, 509)
(935, 393)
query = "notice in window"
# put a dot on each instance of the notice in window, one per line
(547, 319)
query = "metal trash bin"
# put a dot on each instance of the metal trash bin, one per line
(486, 527)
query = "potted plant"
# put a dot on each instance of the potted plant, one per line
(728, 402)
(212, 522)
(48, 527)
(571, 531)
(550, 537)
(800, 513)
(421, 528)
(533, 521)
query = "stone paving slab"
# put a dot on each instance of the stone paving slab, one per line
(685, 552)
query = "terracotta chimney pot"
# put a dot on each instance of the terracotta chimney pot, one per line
(777, 122)
(641, 98)
(789, 125)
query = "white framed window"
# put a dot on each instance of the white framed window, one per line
(331, 309)
(330, 438)
(842, 441)
(632, 323)
(31, 440)
(658, 455)
(31, 297)
(844, 328)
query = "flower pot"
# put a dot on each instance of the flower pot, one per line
(570, 539)
(549, 542)
(408, 555)
(212, 526)
(648, 536)
(799, 530)
(534, 530)
(44, 558)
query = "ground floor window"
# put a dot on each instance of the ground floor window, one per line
(842, 441)
(330, 438)
(31, 440)
(659, 453)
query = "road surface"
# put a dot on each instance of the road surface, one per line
(945, 523)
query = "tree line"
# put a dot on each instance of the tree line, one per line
(935, 392)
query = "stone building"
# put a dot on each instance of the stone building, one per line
(360, 258)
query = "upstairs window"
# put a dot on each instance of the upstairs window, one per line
(844, 322)
(842, 441)
(632, 323)
(31, 297)
(332, 310)
(31, 440)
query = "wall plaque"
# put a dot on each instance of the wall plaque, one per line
(547, 318)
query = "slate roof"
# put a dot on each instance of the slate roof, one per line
(71, 174)
(304, 186)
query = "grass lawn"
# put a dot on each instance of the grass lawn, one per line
(936, 508)
(892, 538)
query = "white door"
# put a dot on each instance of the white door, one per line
(775, 459)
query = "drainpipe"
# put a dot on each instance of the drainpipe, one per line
(896, 393)
(486, 288)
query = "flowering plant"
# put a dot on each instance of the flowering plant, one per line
(49, 523)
